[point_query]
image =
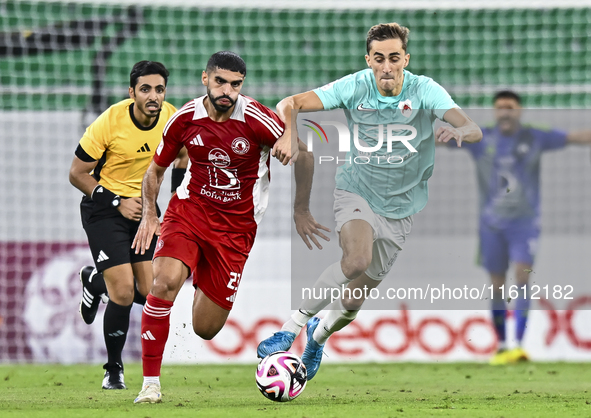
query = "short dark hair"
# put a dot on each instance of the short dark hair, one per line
(507, 94)
(226, 60)
(385, 31)
(147, 68)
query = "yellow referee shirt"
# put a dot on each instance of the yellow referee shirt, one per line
(123, 148)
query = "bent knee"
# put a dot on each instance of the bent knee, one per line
(123, 297)
(355, 266)
(207, 333)
(163, 286)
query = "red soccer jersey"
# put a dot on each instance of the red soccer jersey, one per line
(228, 173)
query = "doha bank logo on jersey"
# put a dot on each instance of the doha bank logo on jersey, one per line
(386, 134)
(222, 177)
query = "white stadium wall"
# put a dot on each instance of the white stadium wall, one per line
(56, 333)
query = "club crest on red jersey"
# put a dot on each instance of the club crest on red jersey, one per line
(240, 145)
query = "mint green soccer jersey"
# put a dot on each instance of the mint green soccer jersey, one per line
(394, 182)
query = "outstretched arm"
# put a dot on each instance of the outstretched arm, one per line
(462, 129)
(579, 137)
(305, 224)
(286, 150)
(150, 224)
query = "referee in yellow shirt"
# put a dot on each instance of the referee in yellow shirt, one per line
(108, 168)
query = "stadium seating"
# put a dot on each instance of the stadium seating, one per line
(287, 51)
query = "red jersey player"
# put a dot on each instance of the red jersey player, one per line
(210, 224)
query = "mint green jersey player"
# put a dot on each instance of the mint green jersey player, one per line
(392, 177)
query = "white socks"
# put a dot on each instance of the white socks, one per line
(297, 321)
(151, 379)
(336, 319)
(331, 278)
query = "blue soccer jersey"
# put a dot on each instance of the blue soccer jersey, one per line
(395, 154)
(509, 173)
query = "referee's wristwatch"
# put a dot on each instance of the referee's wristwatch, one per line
(116, 201)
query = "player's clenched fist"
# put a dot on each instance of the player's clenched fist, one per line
(286, 150)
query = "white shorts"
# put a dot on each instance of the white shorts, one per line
(389, 234)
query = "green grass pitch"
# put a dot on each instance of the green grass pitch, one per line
(340, 391)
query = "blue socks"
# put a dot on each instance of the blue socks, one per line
(498, 314)
(521, 312)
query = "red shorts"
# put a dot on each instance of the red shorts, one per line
(216, 258)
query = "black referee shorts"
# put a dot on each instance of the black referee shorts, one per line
(110, 235)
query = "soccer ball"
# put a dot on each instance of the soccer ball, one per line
(281, 376)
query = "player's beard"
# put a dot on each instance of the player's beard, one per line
(220, 108)
(150, 113)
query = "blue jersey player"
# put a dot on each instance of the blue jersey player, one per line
(374, 202)
(508, 166)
